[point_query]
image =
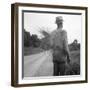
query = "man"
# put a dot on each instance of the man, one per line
(59, 44)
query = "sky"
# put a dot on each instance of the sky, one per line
(34, 22)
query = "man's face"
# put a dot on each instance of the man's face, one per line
(59, 22)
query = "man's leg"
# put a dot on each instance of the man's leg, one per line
(56, 69)
(62, 69)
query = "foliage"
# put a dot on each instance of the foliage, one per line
(26, 38)
(74, 46)
(35, 40)
(45, 33)
(31, 40)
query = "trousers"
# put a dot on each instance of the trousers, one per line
(59, 60)
(59, 69)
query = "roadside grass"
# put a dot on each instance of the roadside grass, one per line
(74, 67)
(32, 50)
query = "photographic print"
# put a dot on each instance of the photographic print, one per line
(52, 44)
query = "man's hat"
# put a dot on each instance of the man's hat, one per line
(59, 19)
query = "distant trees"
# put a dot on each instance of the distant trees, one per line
(35, 41)
(27, 38)
(31, 40)
(45, 43)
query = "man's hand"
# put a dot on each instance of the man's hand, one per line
(68, 59)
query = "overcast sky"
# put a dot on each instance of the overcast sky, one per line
(72, 24)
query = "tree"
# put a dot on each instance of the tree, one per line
(35, 40)
(26, 38)
(75, 41)
(74, 46)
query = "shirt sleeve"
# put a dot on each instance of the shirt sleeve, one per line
(66, 42)
(51, 39)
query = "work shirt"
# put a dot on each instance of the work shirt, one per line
(58, 39)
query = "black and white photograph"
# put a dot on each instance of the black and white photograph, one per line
(51, 46)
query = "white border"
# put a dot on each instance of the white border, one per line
(50, 79)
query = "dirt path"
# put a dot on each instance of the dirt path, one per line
(38, 64)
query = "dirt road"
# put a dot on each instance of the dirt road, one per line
(38, 64)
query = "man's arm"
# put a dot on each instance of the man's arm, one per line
(66, 48)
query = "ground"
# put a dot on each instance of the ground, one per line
(39, 62)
